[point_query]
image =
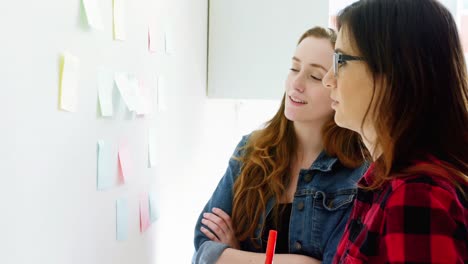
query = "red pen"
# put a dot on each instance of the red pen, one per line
(270, 250)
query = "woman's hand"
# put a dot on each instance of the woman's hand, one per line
(221, 226)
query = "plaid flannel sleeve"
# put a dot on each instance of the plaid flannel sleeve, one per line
(424, 224)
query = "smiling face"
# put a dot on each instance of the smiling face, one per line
(306, 98)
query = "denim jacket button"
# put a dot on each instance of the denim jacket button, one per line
(298, 245)
(308, 177)
(300, 206)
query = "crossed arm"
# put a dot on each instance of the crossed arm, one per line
(220, 229)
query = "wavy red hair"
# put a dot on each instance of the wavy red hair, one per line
(267, 157)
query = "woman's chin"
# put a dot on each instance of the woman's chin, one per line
(341, 122)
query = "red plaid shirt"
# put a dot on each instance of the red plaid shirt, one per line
(416, 219)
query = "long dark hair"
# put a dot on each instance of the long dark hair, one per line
(267, 159)
(421, 107)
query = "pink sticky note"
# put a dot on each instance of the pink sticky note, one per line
(144, 213)
(125, 164)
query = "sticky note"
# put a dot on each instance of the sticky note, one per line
(144, 213)
(121, 219)
(154, 213)
(119, 19)
(162, 94)
(106, 166)
(169, 42)
(105, 91)
(151, 46)
(125, 161)
(69, 82)
(152, 148)
(156, 40)
(154, 96)
(93, 14)
(144, 98)
(127, 85)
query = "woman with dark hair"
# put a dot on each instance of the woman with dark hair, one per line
(297, 175)
(399, 79)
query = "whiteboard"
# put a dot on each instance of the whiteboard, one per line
(250, 44)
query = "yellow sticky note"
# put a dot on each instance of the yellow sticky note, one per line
(69, 72)
(119, 19)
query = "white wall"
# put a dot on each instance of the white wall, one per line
(251, 43)
(50, 211)
(204, 155)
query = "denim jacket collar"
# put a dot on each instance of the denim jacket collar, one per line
(323, 162)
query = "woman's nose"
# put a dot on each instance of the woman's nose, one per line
(329, 80)
(299, 83)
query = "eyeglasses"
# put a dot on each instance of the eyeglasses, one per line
(339, 59)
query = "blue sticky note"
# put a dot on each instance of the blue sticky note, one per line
(106, 166)
(121, 219)
(154, 213)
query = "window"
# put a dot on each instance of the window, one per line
(458, 8)
(334, 7)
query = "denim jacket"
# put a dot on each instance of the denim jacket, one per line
(320, 209)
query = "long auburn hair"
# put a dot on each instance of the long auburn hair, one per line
(268, 154)
(421, 106)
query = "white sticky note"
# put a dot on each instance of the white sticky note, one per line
(169, 41)
(119, 19)
(105, 91)
(152, 147)
(156, 39)
(155, 97)
(132, 92)
(93, 14)
(151, 46)
(127, 85)
(144, 99)
(162, 94)
(69, 82)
